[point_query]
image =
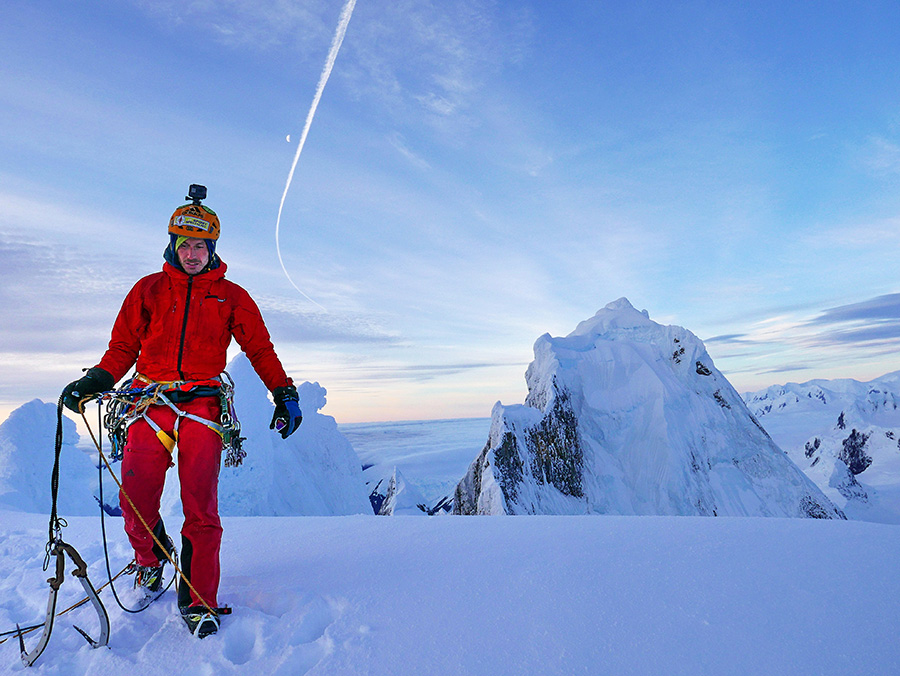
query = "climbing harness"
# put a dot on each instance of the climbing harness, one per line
(139, 400)
(140, 393)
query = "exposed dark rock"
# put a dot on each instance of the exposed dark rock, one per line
(445, 504)
(814, 510)
(465, 498)
(720, 400)
(508, 465)
(853, 452)
(377, 498)
(811, 448)
(555, 449)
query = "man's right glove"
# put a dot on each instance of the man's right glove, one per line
(96, 380)
(287, 411)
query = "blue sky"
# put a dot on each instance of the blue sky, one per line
(478, 173)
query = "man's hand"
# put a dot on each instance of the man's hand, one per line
(287, 411)
(96, 380)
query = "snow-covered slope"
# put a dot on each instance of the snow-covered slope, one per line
(551, 596)
(845, 435)
(27, 443)
(626, 416)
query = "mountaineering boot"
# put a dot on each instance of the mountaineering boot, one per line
(200, 621)
(150, 578)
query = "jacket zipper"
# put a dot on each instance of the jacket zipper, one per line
(187, 307)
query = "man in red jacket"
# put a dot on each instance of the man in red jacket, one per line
(176, 326)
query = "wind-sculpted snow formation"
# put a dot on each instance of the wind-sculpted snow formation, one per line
(845, 435)
(393, 496)
(27, 443)
(315, 472)
(626, 416)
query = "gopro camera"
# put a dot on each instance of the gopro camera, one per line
(196, 193)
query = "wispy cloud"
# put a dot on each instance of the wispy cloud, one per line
(881, 156)
(397, 141)
(886, 307)
(788, 368)
(840, 341)
(258, 24)
(418, 372)
(288, 322)
(868, 323)
(401, 52)
(728, 339)
(433, 58)
(77, 301)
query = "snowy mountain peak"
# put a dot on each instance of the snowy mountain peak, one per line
(627, 416)
(620, 314)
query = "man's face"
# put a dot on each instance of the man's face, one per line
(193, 255)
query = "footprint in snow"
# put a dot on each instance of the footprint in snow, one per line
(299, 636)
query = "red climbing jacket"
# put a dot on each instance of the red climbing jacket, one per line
(178, 327)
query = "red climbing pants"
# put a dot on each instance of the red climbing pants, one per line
(144, 467)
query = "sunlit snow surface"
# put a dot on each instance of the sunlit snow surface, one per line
(486, 595)
(360, 594)
(494, 596)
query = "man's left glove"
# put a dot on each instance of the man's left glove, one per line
(287, 411)
(94, 381)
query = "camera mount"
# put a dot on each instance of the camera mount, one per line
(196, 193)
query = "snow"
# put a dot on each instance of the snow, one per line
(493, 595)
(26, 462)
(626, 416)
(818, 422)
(314, 472)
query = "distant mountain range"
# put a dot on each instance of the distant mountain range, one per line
(845, 435)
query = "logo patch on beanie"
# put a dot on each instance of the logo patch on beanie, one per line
(192, 222)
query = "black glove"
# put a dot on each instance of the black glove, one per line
(94, 381)
(287, 411)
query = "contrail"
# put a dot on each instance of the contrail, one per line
(346, 13)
